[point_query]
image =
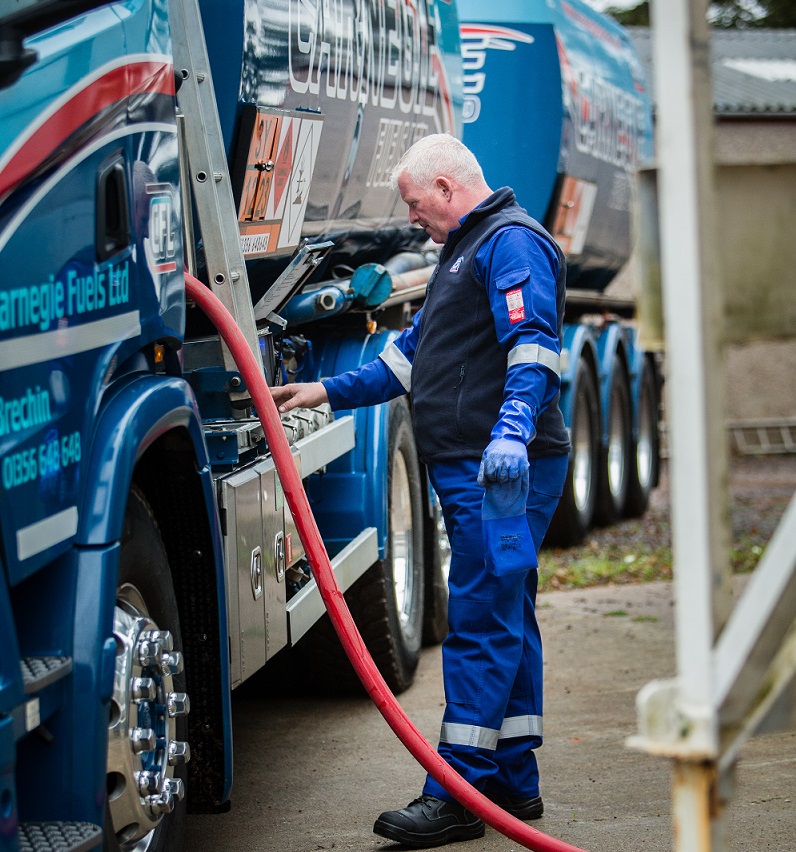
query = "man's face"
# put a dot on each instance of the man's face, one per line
(430, 207)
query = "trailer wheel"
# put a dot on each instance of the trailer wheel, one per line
(146, 734)
(645, 452)
(575, 513)
(615, 458)
(438, 563)
(387, 601)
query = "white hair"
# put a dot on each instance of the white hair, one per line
(438, 154)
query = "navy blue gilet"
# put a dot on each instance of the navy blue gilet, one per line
(459, 368)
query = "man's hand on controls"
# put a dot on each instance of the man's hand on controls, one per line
(504, 474)
(299, 395)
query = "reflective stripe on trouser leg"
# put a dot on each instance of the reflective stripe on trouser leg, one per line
(484, 648)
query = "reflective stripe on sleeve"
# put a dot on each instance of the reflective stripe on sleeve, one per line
(533, 353)
(399, 364)
(455, 733)
(521, 726)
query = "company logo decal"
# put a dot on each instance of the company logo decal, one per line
(607, 120)
(160, 245)
(476, 40)
(457, 266)
(390, 58)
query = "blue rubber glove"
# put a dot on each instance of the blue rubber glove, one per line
(504, 475)
(504, 460)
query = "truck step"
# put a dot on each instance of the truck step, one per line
(38, 672)
(58, 836)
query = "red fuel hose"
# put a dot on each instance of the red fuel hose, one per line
(334, 601)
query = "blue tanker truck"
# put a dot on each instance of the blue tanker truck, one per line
(150, 563)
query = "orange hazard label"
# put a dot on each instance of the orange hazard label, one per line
(258, 178)
(272, 184)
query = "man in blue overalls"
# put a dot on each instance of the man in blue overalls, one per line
(481, 361)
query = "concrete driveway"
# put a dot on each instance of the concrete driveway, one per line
(312, 774)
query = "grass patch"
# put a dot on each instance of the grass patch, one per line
(594, 564)
(579, 567)
(638, 550)
(745, 552)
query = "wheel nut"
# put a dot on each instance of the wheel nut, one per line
(142, 689)
(162, 637)
(176, 788)
(152, 647)
(142, 739)
(160, 804)
(148, 782)
(171, 792)
(149, 653)
(179, 752)
(178, 704)
(171, 664)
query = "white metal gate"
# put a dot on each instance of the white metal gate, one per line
(735, 665)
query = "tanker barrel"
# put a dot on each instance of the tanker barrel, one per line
(574, 77)
(311, 146)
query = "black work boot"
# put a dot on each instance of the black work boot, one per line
(429, 821)
(518, 806)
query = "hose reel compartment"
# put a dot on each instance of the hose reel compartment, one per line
(261, 541)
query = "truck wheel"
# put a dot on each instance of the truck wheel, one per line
(387, 601)
(146, 733)
(398, 652)
(615, 458)
(645, 452)
(575, 512)
(438, 563)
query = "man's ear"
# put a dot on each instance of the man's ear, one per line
(444, 186)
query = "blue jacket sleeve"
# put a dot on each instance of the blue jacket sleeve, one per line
(519, 269)
(382, 379)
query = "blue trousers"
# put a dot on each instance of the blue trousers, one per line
(492, 657)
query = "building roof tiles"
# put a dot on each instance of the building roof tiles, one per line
(754, 70)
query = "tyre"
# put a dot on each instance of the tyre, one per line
(146, 734)
(437, 562)
(387, 601)
(646, 448)
(614, 471)
(575, 512)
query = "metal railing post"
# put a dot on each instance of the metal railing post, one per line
(698, 459)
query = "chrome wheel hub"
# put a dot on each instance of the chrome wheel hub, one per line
(582, 456)
(644, 447)
(142, 749)
(616, 449)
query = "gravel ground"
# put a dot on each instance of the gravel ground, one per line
(760, 488)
